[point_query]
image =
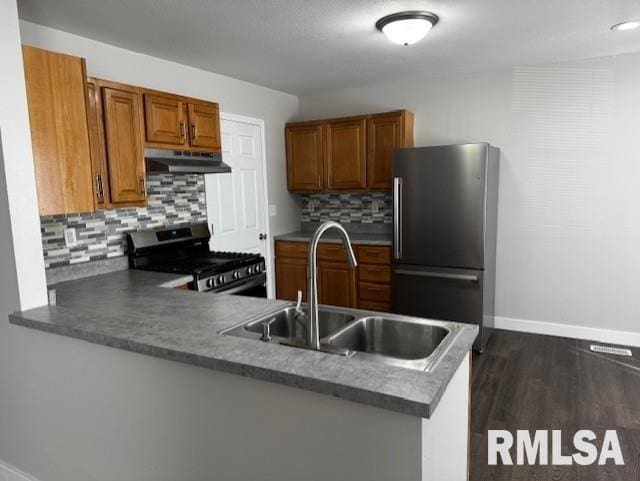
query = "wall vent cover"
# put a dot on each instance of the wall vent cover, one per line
(608, 349)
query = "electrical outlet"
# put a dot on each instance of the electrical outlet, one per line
(273, 210)
(375, 208)
(312, 206)
(70, 238)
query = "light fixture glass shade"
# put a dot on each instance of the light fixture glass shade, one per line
(406, 28)
(630, 25)
(407, 32)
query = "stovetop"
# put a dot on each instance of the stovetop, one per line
(203, 264)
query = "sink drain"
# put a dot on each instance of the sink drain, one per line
(609, 349)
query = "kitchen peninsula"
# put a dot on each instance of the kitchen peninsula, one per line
(339, 417)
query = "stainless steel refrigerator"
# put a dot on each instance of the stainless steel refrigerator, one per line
(445, 206)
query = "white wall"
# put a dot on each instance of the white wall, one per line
(234, 96)
(569, 221)
(22, 279)
(21, 259)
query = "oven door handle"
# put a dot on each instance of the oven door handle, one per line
(243, 286)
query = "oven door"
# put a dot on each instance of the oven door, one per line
(252, 287)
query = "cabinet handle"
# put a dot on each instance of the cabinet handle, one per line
(183, 132)
(397, 216)
(143, 187)
(439, 275)
(194, 131)
(98, 192)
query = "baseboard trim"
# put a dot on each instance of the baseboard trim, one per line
(10, 473)
(611, 336)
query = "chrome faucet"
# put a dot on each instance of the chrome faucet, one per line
(313, 335)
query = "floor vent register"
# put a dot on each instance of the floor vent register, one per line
(609, 349)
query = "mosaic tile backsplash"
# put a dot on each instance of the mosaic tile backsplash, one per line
(171, 200)
(348, 208)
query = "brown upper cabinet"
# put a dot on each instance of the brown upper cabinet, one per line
(102, 194)
(305, 157)
(346, 154)
(345, 160)
(204, 121)
(89, 134)
(59, 134)
(385, 133)
(165, 119)
(172, 120)
(123, 125)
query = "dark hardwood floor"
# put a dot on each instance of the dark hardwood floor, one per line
(528, 381)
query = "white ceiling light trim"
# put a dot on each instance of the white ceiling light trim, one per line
(628, 25)
(407, 28)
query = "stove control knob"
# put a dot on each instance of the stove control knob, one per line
(236, 275)
(220, 279)
(250, 270)
(210, 283)
(258, 268)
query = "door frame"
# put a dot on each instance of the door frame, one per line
(267, 225)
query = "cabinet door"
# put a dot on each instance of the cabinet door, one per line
(386, 132)
(305, 153)
(56, 94)
(291, 276)
(346, 167)
(204, 120)
(336, 284)
(164, 119)
(122, 118)
(102, 197)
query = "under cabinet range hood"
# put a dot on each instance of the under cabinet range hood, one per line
(184, 162)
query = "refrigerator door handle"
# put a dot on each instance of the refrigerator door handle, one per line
(397, 215)
(439, 275)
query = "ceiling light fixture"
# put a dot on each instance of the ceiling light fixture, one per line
(406, 28)
(629, 25)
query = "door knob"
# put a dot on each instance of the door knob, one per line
(262, 236)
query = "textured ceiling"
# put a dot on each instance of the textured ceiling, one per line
(305, 46)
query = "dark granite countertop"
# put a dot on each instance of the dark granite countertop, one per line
(135, 311)
(381, 239)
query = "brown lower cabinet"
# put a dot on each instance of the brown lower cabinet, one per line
(336, 284)
(291, 276)
(366, 287)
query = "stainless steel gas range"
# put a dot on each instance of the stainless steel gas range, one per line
(185, 250)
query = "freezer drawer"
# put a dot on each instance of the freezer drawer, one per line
(439, 293)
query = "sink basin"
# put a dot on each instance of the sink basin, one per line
(411, 343)
(287, 324)
(407, 342)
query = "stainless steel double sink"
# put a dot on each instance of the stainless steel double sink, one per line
(390, 339)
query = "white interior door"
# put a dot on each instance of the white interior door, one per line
(236, 202)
